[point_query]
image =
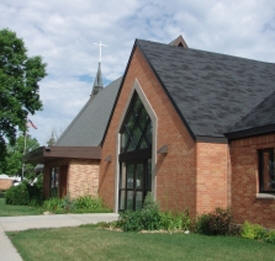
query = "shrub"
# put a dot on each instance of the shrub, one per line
(150, 218)
(130, 221)
(36, 193)
(18, 195)
(87, 202)
(202, 224)
(54, 205)
(215, 223)
(2, 194)
(147, 218)
(270, 237)
(252, 231)
(186, 220)
(150, 214)
(80, 205)
(170, 221)
(257, 232)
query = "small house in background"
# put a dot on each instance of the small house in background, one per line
(8, 181)
(195, 128)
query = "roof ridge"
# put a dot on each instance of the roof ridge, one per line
(208, 52)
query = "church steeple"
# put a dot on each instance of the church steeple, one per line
(98, 82)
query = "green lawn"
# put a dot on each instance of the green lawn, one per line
(92, 243)
(11, 210)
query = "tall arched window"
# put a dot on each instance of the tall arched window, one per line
(135, 156)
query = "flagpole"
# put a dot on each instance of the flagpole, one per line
(24, 152)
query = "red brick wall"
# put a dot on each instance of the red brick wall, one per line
(245, 184)
(175, 172)
(213, 176)
(82, 177)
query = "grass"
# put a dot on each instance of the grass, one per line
(11, 210)
(92, 243)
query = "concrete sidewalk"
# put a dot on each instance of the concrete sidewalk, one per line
(8, 251)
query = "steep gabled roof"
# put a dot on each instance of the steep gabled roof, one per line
(211, 91)
(88, 127)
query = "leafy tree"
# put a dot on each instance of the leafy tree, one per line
(13, 159)
(19, 89)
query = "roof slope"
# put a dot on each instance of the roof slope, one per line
(210, 91)
(88, 127)
(260, 116)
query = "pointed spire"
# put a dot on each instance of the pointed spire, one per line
(98, 83)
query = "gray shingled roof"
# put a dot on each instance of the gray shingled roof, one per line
(211, 91)
(88, 127)
(260, 116)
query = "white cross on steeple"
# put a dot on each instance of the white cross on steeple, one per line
(100, 45)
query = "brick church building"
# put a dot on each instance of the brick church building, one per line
(195, 128)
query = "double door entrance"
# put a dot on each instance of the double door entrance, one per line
(135, 183)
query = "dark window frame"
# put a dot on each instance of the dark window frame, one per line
(141, 119)
(54, 181)
(271, 153)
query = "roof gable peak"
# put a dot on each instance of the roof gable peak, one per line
(179, 41)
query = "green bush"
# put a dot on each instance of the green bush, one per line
(87, 202)
(257, 232)
(130, 221)
(2, 194)
(252, 231)
(25, 194)
(147, 218)
(270, 237)
(170, 221)
(54, 205)
(215, 223)
(18, 195)
(151, 218)
(84, 204)
(150, 214)
(36, 192)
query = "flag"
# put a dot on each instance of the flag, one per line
(31, 124)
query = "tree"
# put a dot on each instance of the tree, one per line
(19, 89)
(12, 163)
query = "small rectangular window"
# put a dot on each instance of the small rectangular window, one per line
(266, 170)
(54, 178)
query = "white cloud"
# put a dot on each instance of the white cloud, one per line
(63, 33)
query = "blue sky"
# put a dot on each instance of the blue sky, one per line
(63, 32)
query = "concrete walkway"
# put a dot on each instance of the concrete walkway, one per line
(8, 251)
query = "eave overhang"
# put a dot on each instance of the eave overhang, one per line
(43, 154)
(263, 130)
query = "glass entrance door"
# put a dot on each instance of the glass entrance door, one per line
(135, 183)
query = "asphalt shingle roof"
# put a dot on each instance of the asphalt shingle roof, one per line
(260, 116)
(88, 127)
(211, 91)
